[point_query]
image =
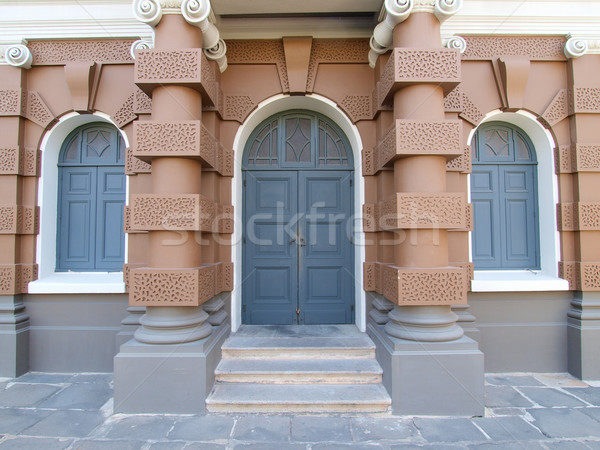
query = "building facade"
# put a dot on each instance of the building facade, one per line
(425, 170)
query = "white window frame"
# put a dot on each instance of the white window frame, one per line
(545, 279)
(49, 281)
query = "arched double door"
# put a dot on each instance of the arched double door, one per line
(298, 253)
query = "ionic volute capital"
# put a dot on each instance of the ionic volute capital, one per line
(575, 47)
(18, 55)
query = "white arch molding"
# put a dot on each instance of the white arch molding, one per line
(265, 109)
(49, 281)
(545, 279)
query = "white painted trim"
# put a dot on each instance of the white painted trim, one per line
(329, 109)
(80, 19)
(547, 278)
(49, 281)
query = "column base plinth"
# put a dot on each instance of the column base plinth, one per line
(583, 336)
(431, 378)
(14, 337)
(167, 379)
(423, 324)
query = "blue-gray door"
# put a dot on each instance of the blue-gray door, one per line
(298, 263)
(504, 197)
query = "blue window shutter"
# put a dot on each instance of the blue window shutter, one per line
(110, 201)
(77, 215)
(91, 197)
(504, 197)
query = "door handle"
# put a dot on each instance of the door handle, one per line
(302, 242)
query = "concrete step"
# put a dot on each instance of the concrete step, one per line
(298, 398)
(296, 371)
(305, 347)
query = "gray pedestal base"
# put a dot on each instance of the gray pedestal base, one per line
(583, 335)
(171, 379)
(14, 337)
(431, 378)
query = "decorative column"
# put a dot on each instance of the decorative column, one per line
(581, 264)
(18, 213)
(169, 366)
(434, 368)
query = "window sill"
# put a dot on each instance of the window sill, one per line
(79, 283)
(516, 281)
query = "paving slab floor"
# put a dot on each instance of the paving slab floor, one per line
(74, 411)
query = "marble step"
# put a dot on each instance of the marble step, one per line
(306, 347)
(296, 371)
(298, 398)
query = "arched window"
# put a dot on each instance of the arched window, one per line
(505, 199)
(91, 197)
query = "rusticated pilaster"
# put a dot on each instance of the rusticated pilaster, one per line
(187, 67)
(461, 164)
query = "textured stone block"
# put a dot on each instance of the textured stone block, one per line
(172, 287)
(19, 219)
(191, 212)
(14, 278)
(185, 67)
(413, 137)
(409, 66)
(584, 100)
(424, 286)
(134, 165)
(422, 210)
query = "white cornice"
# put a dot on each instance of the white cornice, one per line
(81, 19)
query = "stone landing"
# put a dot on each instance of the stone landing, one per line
(298, 369)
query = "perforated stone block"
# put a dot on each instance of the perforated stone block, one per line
(171, 287)
(409, 66)
(422, 210)
(424, 286)
(181, 67)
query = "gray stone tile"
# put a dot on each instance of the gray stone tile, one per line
(336, 446)
(321, 429)
(67, 424)
(496, 396)
(379, 429)
(108, 445)
(566, 445)
(152, 428)
(48, 378)
(270, 446)
(594, 413)
(589, 394)
(408, 446)
(262, 429)
(550, 397)
(512, 380)
(80, 396)
(508, 446)
(448, 430)
(564, 423)
(204, 446)
(168, 445)
(26, 394)
(92, 378)
(594, 445)
(203, 428)
(15, 420)
(508, 411)
(508, 429)
(29, 443)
